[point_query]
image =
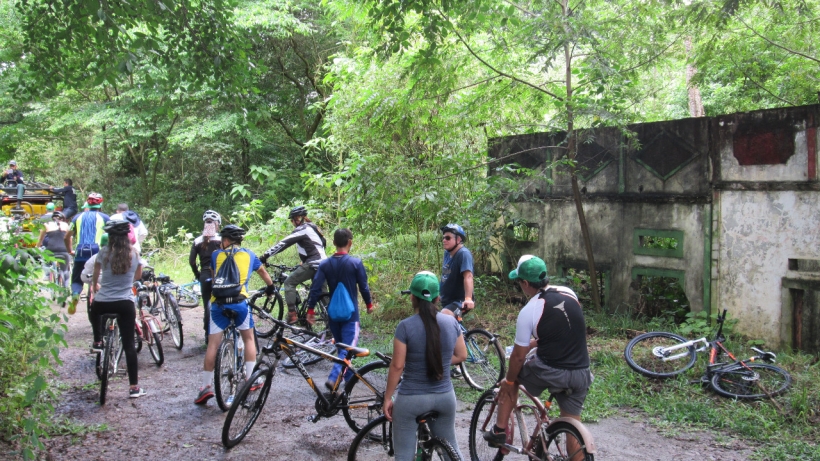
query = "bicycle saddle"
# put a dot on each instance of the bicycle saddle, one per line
(230, 313)
(353, 350)
(423, 418)
(109, 316)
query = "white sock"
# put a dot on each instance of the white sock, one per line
(249, 368)
(207, 377)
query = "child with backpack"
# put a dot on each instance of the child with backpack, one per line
(232, 267)
(342, 273)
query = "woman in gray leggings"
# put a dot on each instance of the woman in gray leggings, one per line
(424, 348)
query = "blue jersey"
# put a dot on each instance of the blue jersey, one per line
(451, 288)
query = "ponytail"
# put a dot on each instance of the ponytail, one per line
(427, 312)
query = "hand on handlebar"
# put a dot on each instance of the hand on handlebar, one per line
(467, 305)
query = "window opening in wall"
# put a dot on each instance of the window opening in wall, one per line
(524, 231)
(660, 296)
(657, 242)
(806, 320)
(578, 280)
(804, 265)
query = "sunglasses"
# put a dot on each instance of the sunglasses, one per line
(447, 237)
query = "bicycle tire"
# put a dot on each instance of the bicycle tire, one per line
(174, 320)
(155, 347)
(558, 433)
(107, 365)
(324, 343)
(98, 365)
(363, 404)
(271, 306)
(187, 297)
(246, 408)
(224, 372)
(485, 364)
(374, 442)
(482, 419)
(644, 356)
(762, 381)
(118, 352)
(320, 311)
(438, 449)
(137, 341)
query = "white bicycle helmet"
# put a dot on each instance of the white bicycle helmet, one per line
(212, 215)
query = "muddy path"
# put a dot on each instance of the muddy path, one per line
(166, 425)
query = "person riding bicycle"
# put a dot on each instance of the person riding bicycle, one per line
(88, 269)
(116, 269)
(348, 271)
(202, 249)
(88, 229)
(69, 197)
(56, 238)
(310, 245)
(425, 346)
(554, 318)
(246, 262)
(456, 271)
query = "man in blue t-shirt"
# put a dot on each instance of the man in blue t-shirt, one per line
(343, 269)
(456, 272)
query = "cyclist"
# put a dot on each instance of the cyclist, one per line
(456, 271)
(56, 238)
(246, 262)
(69, 197)
(88, 268)
(424, 348)
(47, 217)
(116, 269)
(88, 229)
(13, 175)
(202, 248)
(349, 271)
(553, 317)
(310, 244)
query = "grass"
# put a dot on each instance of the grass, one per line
(785, 431)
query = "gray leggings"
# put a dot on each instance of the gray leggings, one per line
(299, 275)
(405, 410)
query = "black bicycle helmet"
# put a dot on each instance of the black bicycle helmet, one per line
(58, 215)
(297, 211)
(235, 233)
(455, 229)
(117, 227)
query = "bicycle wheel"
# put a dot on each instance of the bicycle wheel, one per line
(271, 306)
(559, 434)
(118, 353)
(323, 343)
(107, 371)
(485, 363)
(246, 409)
(483, 419)
(137, 340)
(174, 319)
(320, 311)
(187, 297)
(364, 403)
(373, 443)
(647, 355)
(751, 381)
(225, 372)
(438, 449)
(155, 347)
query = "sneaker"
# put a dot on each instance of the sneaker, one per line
(455, 372)
(97, 347)
(329, 385)
(136, 393)
(205, 393)
(495, 439)
(257, 384)
(292, 317)
(311, 318)
(72, 305)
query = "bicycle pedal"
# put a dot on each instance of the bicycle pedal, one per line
(313, 418)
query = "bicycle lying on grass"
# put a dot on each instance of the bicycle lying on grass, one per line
(359, 403)
(560, 439)
(375, 441)
(189, 294)
(663, 355)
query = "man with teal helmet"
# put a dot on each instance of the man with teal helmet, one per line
(552, 322)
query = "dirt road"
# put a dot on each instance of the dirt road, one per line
(166, 425)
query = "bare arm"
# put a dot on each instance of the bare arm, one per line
(42, 237)
(394, 375)
(460, 351)
(468, 292)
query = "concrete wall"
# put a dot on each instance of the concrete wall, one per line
(741, 190)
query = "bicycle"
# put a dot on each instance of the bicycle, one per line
(108, 360)
(61, 288)
(359, 404)
(148, 327)
(169, 308)
(273, 306)
(548, 440)
(485, 364)
(189, 294)
(375, 441)
(230, 363)
(664, 355)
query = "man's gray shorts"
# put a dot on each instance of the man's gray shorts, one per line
(537, 377)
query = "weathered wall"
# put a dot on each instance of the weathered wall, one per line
(741, 191)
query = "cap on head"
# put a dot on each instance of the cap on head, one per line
(530, 268)
(12, 163)
(132, 217)
(50, 206)
(425, 285)
(104, 240)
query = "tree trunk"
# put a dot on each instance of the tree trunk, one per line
(695, 101)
